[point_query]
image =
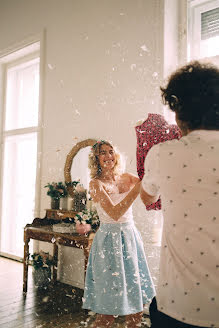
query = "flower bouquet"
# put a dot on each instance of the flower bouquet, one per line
(42, 263)
(42, 260)
(56, 190)
(86, 220)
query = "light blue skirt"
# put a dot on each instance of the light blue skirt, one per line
(118, 280)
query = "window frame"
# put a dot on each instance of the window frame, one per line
(195, 9)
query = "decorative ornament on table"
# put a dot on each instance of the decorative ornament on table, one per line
(78, 202)
(64, 227)
(86, 221)
(70, 200)
(90, 204)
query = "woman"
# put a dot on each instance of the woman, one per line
(118, 281)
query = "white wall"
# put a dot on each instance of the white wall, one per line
(104, 62)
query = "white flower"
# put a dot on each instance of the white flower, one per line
(85, 217)
(45, 265)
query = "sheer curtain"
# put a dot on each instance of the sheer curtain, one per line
(19, 161)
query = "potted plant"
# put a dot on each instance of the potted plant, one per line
(42, 263)
(56, 190)
(86, 221)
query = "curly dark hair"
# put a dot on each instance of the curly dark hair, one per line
(192, 92)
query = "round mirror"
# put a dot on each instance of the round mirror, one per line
(78, 169)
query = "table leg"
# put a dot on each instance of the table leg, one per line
(55, 266)
(26, 260)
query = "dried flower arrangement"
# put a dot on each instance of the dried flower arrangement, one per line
(42, 260)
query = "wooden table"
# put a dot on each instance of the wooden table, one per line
(41, 229)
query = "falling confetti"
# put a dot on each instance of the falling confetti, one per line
(144, 48)
(59, 214)
(115, 274)
(50, 66)
(45, 299)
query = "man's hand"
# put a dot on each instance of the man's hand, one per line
(146, 198)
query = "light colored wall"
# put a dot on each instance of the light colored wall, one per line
(175, 35)
(175, 40)
(104, 62)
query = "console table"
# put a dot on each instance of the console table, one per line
(41, 229)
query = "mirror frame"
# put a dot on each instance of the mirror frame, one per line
(69, 159)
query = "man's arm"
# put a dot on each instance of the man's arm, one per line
(146, 198)
(149, 191)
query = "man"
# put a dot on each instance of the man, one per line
(185, 173)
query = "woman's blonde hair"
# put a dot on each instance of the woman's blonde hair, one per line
(93, 161)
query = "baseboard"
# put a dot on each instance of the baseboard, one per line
(72, 283)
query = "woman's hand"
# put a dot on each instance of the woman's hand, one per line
(99, 195)
(127, 181)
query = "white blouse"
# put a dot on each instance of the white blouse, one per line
(185, 173)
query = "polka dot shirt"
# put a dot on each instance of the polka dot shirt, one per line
(185, 173)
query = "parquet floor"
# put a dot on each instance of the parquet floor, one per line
(56, 306)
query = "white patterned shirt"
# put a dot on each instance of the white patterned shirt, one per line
(185, 173)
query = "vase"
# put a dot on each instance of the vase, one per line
(82, 229)
(55, 202)
(63, 203)
(42, 277)
(79, 200)
(70, 203)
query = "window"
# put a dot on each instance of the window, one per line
(203, 22)
(22, 95)
(203, 35)
(20, 137)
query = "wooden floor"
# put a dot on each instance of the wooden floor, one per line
(55, 306)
